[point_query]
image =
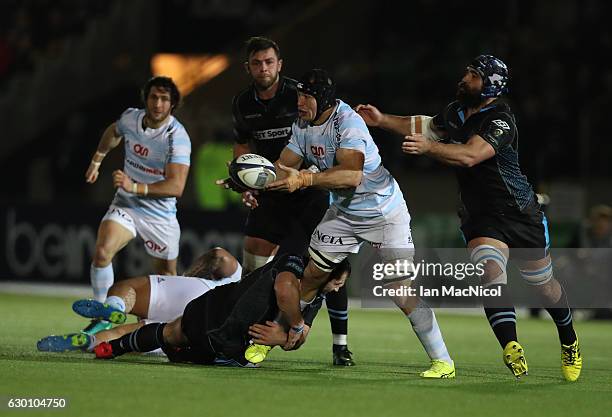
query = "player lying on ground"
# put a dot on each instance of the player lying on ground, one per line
(154, 298)
(219, 326)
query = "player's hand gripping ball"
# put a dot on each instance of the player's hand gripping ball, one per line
(252, 171)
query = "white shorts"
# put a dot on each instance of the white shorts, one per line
(171, 294)
(161, 239)
(341, 232)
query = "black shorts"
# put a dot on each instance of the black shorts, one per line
(188, 354)
(287, 219)
(195, 325)
(526, 234)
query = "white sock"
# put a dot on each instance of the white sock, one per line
(101, 280)
(339, 339)
(426, 327)
(116, 302)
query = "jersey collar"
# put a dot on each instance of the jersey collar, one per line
(149, 131)
(461, 112)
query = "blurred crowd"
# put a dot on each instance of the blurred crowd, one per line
(31, 30)
(558, 87)
(559, 81)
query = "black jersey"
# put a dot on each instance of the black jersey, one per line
(496, 184)
(266, 127)
(216, 323)
(266, 124)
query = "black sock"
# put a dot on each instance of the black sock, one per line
(501, 319)
(337, 308)
(146, 339)
(562, 316)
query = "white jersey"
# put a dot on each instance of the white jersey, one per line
(146, 154)
(170, 294)
(379, 193)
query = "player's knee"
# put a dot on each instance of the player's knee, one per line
(494, 262)
(539, 276)
(103, 256)
(118, 288)
(402, 260)
(406, 303)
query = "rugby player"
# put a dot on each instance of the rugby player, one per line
(152, 298)
(157, 151)
(500, 215)
(263, 114)
(219, 326)
(367, 203)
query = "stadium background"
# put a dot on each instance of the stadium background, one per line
(69, 68)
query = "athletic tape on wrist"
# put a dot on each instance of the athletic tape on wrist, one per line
(146, 190)
(308, 179)
(135, 188)
(298, 329)
(96, 155)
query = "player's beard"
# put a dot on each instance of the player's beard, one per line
(468, 98)
(263, 85)
(154, 119)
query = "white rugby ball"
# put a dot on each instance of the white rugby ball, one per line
(252, 171)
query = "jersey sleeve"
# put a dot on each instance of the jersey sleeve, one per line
(291, 263)
(353, 134)
(296, 143)
(122, 123)
(180, 148)
(440, 121)
(241, 130)
(499, 130)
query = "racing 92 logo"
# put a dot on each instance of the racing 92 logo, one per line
(317, 151)
(141, 150)
(155, 247)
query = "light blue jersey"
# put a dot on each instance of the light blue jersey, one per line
(146, 154)
(379, 193)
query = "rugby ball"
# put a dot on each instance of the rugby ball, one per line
(252, 171)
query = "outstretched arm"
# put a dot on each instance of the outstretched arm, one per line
(464, 155)
(402, 125)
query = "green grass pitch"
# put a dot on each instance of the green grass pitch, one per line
(385, 381)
